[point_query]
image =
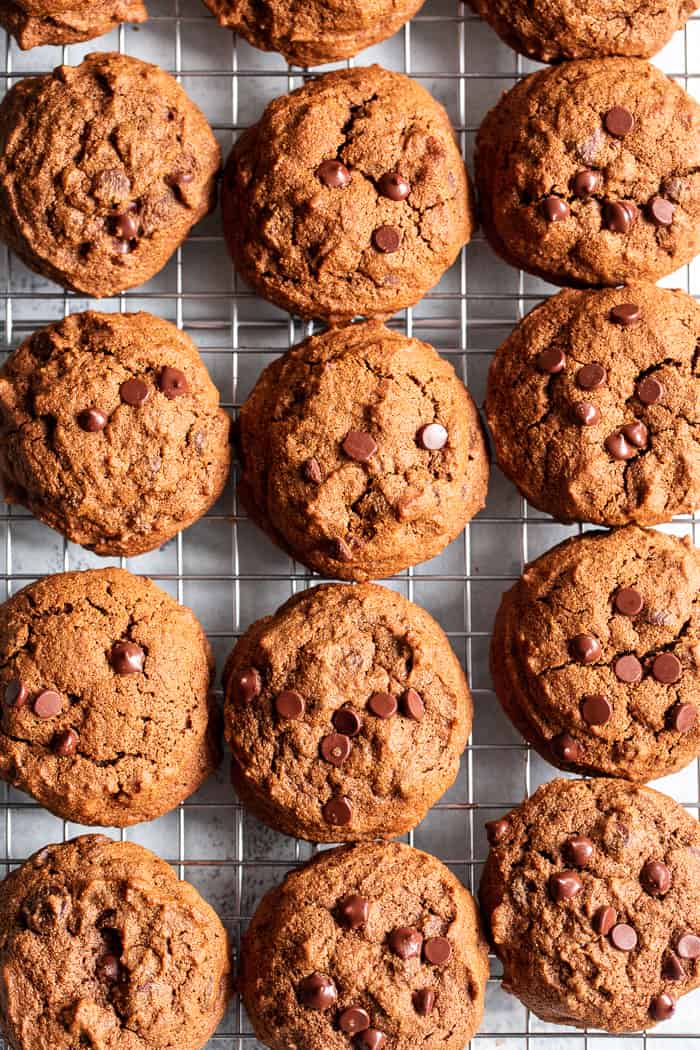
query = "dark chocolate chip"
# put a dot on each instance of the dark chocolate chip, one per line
(596, 709)
(661, 211)
(551, 361)
(604, 920)
(347, 722)
(618, 446)
(65, 744)
(311, 471)
(623, 937)
(383, 705)
(437, 951)
(656, 878)
(371, 1039)
(333, 174)
(172, 382)
(650, 391)
(318, 992)
(672, 968)
(337, 811)
(92, 420)
(121, 247)
(618, 216)
(662, 1006)
(627, 315)
(290, 704)
(566, 748)
(394, 186)
(359, 446)
(353, 911)
(16, 693)
(584, 183)
(336, 748)
(592, 376)
(127, 658)
(496, 830)
(247, 685)
(424, 1001)
(134, 392)
(628, 601)
(688, 946)
(585, 648)
(636, 433)
(387, 239)
(683, 717)
(432, 437)
(126, 225)
(564, 885)
(586, 414)
(579, 850)
(628, 669)
(340, 550)
(406, 942)
(353, 1020)
(48, 704)
(666, 668)
(412, 705)
(618, 121)
(555, 210)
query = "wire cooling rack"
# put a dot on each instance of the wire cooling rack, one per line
(227, 571)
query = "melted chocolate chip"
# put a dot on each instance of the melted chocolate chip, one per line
(336, 748)
(584, 183)
(619, 447)
(591, 376)
(318, 992)
(92, 420)
(127, 658)
(579, 850)
(347, 722)
(551, 361)
(585, 648)
(353, 911)
(564, 885)
(65, 744)
(406, 942)
(172, 382)
(353, 1020)
(555, 210)
(586, 414)
(655, 878)
(650, 391)
(246, 685)
(618, 216)
(629, 601)
(566, 748)
(337, 811)
(596, 709)
(636, 433)
(134, 392)
(289, 704)
(394, 186)
(333, 174)
(125, 225)
(618, 121)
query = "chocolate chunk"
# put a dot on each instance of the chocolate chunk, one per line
(406, 942)
(340, 549)
(596, 709)
(628, 669)
(666, 668)
(347, 722)
(359, 446)
(662, 1007)
(65, 744)
(311, 471)
(172, 382)
(372, 1039)
(432, 437)
(566, 748)
(627, 315)
(618, 216)
(661, 211)
(412, 705)
(336, 748)
(16, 693)
(48, 704)
(353, 1020)
(92, 420)
(586, 414)
(619, 447)
(688, 946)
(555, 210)
(629, 601)
(125, 225)
(107, 969)
(318, 992)
(437, 951)
(579, 850)
(353, 911)
(551, 361)
(134, 392)
(656, 878)
(127, 658)
(333, 174)
(584, 183)
(290, 704)
(604, 920)
(623, 937)
(387, 239)
(247, 685)
(424, 1001)
(337, 811)
(636, 433)
(564, 885)
(585, 648)
(618, 121)
(650, 390)
(592, 376)
(383, 705)
(394, 186)
(683, 717)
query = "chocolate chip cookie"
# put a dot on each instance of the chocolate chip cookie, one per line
(362, 453)
(102, 946)
(370, 946)
(105, 716)
(349, 197)
(316, 31)
(592, 894)
(347, 713)
(36, 22)
(104, 167)
(111, 431)
(596, 654)
(589, 173)
(554, 30)
(594, 405)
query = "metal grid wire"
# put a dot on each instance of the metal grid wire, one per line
(223, 567)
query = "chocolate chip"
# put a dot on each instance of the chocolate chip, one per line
(629, 601)
(372, 1039)
(604, 920)
(628, 669)
(672, 968)
(387, 239)
(337, 811)
(580, 850)
(107, 969)
(353, 911)
(432, 437)
(496, 830)
(65, 744)
(134, 392)
(564, 885)
(596, 709)
(333, 174)
(412, 705)
(394, 186)
(683, 717)
(636, 433)
(437, 951)
(619, 216)
(623, 937)
(125, 225)
(340, 550)
(586, 414)
(688, 946)
(311, 471)
(127, 658)
(585, 648)
(627, 315)
(121, 247)
(655, 878)
(247, 685)
(92, 420)
(592, 376)
(172, 382)
(551, 361)
(619, 447)
(354, 1019)
(289, 704)
(383, 705)
(650, 390)
(347, 722)
(666, 668)
(16, 693)
(406, 942)
(618, 121)
(424, 1001)
(662, 1007)
(317, 992)
(336, 748)
(661, 211)
(48, 704)
(555, 210)
(181, 178)
(584, 183)
(359, 446)
(566, 748)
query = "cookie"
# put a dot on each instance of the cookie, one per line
(370, 946)
(594, 405)
(349, 197)
(347, 713)
(104, 168)
(315, 32)
(105, 716)
(589, 173)
(362, 453)
(554, 30)
(101, 945)
(36, 22)
(596, 654)
(111, 431)
(591, 891)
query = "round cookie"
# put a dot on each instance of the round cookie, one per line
(101, 945)
(36, 22)
(591, 891)
(362, 453)
(105, 716)
(315, 32)
(349, 197)
(589, 173)
(594, 405)
(347, 713)
(111, 431)
(596, 654)
(555, 30)
(104, 168)
(370, 946)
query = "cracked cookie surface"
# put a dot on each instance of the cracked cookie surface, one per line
(370, 946)
(555, 30)
(594, 405)
(312, 32)
(101, 945)
(347, 713)
(111, 431)
(105, 713)
(596, 654)
(362, 452)
(349, 197)
(36, 22)
(592, 894)
(104, 168)
(589, 173)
